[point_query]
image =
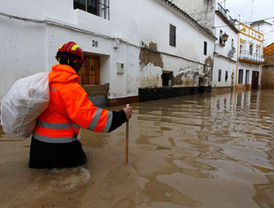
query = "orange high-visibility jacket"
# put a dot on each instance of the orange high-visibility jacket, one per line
(69, 109)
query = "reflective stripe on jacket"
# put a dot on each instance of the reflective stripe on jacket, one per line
(69, 109)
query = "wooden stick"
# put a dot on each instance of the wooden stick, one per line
(127, 131)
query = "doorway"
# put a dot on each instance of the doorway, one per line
(167, 78)
(255, 79)
(89, 73)
(201, 88)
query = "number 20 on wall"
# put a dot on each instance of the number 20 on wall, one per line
(94, 43)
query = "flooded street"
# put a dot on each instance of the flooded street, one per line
(208, 150)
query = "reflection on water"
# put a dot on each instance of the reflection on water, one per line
(194, 151)
(221, 143)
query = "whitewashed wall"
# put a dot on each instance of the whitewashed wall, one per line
(22, 51)
(222, 61)
(155, 28)
(189, 44)
(224, 50)
(29, 45)
(204, 13)
(248, 35)
(267, 29)
(201, 10)
(250, 67)
(223, 65)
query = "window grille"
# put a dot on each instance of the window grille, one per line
(97, 7)
(250, 49)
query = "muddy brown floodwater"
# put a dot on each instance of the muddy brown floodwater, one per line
(209, 150)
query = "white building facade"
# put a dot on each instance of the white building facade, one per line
(133, 48)
(216, 18)
(225, 56)
(250, 58)
(266, 28)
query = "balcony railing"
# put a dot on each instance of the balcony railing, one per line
(225, 13)
(247, 56)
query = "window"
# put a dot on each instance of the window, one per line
(258, 47)
(226, 76)
(220, 38)
(232, 45)
(205, 48)
(250, 49)
(96, 7)
(80, 4)
(172, 35)
(241, 75)
(220, 75)
(242, 46)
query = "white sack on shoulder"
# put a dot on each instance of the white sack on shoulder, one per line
(24, 102)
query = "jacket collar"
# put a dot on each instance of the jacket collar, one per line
(63, 73)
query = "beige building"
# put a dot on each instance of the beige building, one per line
(268, 69)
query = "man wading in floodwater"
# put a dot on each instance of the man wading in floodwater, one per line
(54, 143)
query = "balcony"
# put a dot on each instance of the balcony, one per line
(225, 13)
(248, 56)
(231, 53)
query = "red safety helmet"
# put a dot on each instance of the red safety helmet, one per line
(71, 50)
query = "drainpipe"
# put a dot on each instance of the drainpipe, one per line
(214, 52)
(237, 63)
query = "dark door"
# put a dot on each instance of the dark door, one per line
(255, 79)
(90, 71)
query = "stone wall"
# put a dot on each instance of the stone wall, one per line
(268, 77)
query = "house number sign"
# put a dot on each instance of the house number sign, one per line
(95, 43)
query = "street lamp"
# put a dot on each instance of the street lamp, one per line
(224, 38)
